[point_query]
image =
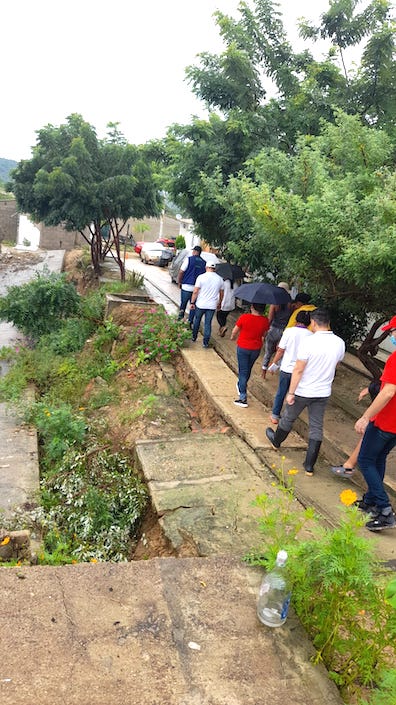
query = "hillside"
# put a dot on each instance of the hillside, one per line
(5, 167)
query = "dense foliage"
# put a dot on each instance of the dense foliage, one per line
(299, 185)
(85, 184)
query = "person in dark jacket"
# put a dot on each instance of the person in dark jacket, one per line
(191, 268)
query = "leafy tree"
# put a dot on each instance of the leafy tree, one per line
(332, 227)
(88, 185)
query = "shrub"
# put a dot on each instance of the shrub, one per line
(158, 336)
(38, 307)
(180, 242)
(93, 505)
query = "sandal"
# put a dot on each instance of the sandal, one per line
(223, 331)
(341, 471)
(274, 420)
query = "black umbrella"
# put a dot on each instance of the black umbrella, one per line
(262, 293)
(229, 271)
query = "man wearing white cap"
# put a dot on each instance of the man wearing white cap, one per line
(206, 299)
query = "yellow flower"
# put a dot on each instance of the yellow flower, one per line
(94, 560)
(292, 471)
(283, 457)
(5, 540)
(81, 408)
(348, 497)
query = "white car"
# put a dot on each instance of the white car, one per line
(156, 253)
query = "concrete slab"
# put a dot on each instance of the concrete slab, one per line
(175, 631)
(203, 489)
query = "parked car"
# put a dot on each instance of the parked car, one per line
(156, 253)
(168, 242)
(128, 239)
(174, 267)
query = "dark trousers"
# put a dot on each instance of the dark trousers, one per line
(283, 388)
(208, 313)
(376, 445)
(185, 298)
(246, 359)
(222, 317)
(316, 408)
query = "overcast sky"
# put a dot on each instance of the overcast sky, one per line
(121, 61)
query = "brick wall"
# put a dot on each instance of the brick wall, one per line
(9, 219)
(57, 238)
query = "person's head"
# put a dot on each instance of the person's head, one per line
(304, 318)
(284, 285)
(320, 320)
(301, 299)
(197, 250)
(259, 308)
(391, 328)
(210, 266)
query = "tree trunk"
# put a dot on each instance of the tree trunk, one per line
(369, 349)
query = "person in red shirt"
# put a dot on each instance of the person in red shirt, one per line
(250, 331)
(378, 424)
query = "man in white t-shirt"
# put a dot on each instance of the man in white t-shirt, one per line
(206, 299)
(287, 354)
(310, 385)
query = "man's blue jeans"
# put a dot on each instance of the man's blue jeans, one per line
(185, 298)
(208, 313)
(376, 445)
(246, 359)
(283, 388)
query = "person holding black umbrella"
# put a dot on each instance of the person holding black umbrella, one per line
(227, 305)
(278, 317)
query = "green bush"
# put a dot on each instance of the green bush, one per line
(38, 307)
(158, 336)
(59, 428)
(180, 242)
(93, 505)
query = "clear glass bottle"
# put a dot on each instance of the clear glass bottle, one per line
(274, 596)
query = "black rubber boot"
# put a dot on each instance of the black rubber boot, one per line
(276, 437)
(311, 456)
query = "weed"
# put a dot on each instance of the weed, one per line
(158, 336)
(338, 587)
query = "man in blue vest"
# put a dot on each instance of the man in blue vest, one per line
(191, 268)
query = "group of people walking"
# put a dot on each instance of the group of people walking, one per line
(297, 337)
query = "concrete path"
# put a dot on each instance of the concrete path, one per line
(166, 631)
(177, 631)
(19, 475)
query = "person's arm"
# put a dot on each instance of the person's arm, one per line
(194, 296)
(235, 332)
(182, 269)
(271, 313)
(363, 393)
(387, 393)
(221, 294)
(278, 355)
(297, 373)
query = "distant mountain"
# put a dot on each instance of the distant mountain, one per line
(5, 167)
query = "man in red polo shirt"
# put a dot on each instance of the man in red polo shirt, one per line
(378, 424)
